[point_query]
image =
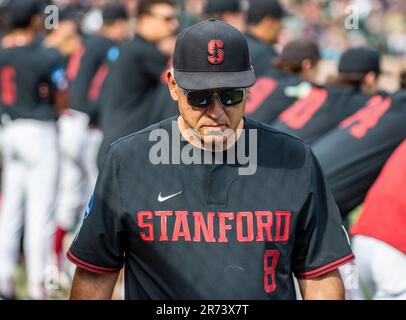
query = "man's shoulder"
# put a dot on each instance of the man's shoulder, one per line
(278, 146)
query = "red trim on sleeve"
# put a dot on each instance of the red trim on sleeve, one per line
(97, 83)
(88, 266)
(326, 268)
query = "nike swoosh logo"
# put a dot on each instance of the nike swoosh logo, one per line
(162, 199)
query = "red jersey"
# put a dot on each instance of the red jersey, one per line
(383, 214)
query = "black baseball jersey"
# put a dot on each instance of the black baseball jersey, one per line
(353, 154)
(204, 231)
(261, 54)
(30, 76)
(87, 70)
(273, 93)
(320, 111)
(128, 88)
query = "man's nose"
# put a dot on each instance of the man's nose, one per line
(215, 109)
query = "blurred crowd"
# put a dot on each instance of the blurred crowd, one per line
(74, 82)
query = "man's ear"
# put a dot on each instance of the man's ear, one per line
(172, 85)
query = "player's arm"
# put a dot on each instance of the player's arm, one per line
(93, 286)
(327, 287)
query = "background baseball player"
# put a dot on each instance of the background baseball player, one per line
(79, 131)
(381, 251)
(353, 153)
(32, 78)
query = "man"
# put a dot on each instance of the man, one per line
(80, 135)
(353, 153)
(264, 19)
(135, 75)
(292, 78)
(326, 107)
(233, 12)
(379, 234)
(193, 230)
(33, 83)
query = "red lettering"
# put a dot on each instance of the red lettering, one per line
(181, 223)
(97, 82)
(282, 217)
(301, 112)
(216, 54)
(74, 63)
(250, 227)
(269, 270)
(223, 226)
(148, 225)
(261, 90)
(264, 226)
(368, 117)
(9, 88)
(164, 228)
(200, 225)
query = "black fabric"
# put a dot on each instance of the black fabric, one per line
(261, 54)
(353, 154)
(273, 93)
(359, 60)
(124, 222)
(128, 90)
(94, 57)
(319, 112)
(31, 76)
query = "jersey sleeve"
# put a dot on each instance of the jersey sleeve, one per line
(99, 245)
(55, 69)
(322, 244)
(154, 63)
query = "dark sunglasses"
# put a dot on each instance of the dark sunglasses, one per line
(202, 99)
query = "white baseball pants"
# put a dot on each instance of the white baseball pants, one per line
(30, 177)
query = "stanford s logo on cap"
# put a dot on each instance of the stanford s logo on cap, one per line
(215, 50)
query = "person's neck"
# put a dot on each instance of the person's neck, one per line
(195, 139)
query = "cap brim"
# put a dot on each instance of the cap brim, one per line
(214, 80)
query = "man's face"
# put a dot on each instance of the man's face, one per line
(162, 21)
(215, 123)
(274, 27)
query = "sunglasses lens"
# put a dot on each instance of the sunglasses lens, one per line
(231, 97)
(199, 99)
(204, 98)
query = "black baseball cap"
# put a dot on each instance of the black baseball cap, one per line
(22, 11)
(221, 6)
(359, 61)
(298, 50)
(210, 55)
(112, 12)
(258, 9)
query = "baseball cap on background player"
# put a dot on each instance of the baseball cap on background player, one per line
(221, 6)
(258, 9)
(359, 61)
(113, 12)
(212, 55)
(298, 50)
(20, 12)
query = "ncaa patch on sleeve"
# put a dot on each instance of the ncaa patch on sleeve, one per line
(89, 207)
